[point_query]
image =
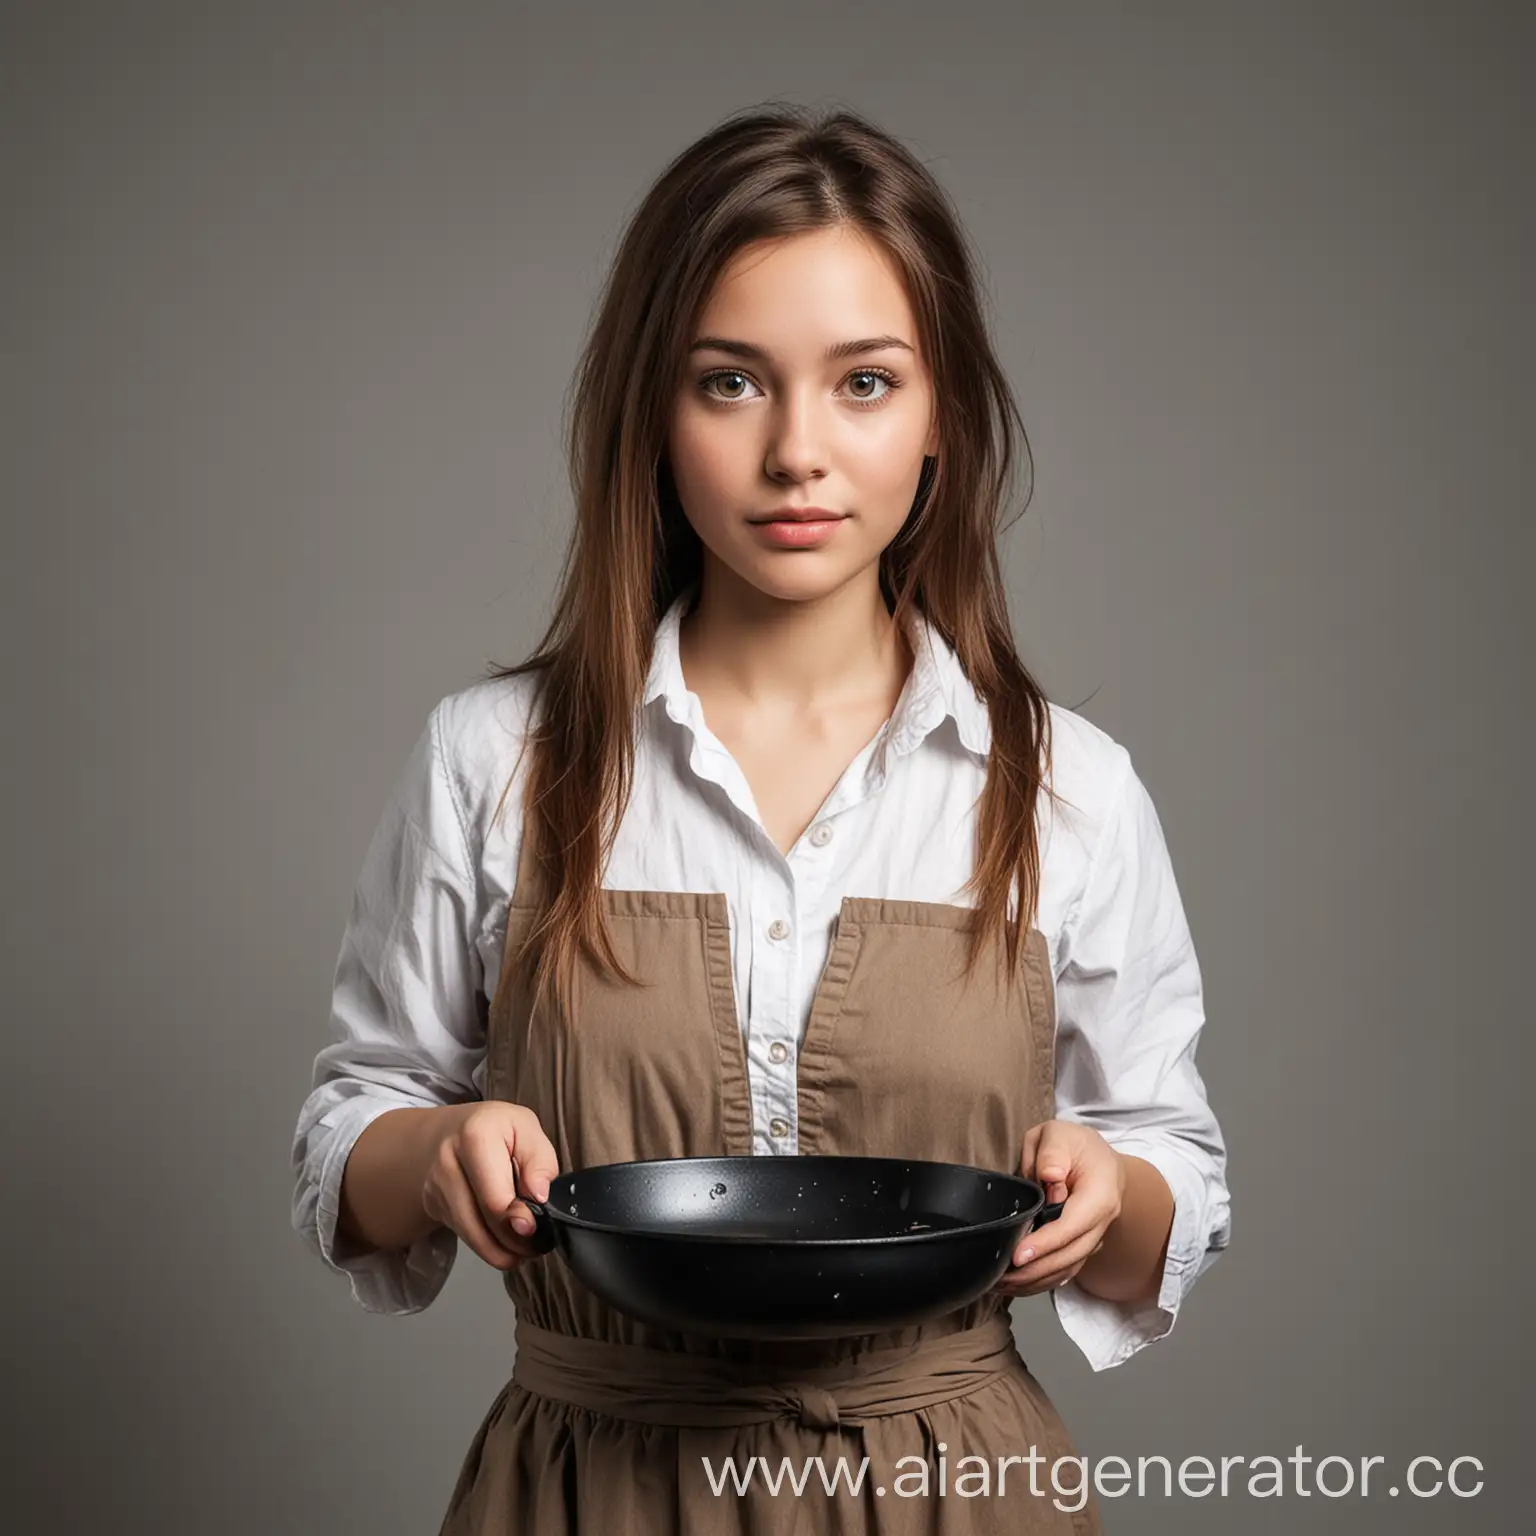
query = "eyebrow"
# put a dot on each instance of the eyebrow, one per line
(834, 352)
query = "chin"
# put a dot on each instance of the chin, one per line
(797, 578)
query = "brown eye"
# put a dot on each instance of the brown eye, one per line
(877, 376)
(732, 374)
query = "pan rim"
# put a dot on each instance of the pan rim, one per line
(752, 1240)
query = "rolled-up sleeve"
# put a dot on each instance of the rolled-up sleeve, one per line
(1129, 1013)
(406, 1029)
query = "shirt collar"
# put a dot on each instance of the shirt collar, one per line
(937, 688)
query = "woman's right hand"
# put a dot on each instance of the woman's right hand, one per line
(482, 1157)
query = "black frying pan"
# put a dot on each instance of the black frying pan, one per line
(787, 1247)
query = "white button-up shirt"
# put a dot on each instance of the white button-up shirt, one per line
(422, 949)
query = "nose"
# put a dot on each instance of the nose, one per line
(796, 440)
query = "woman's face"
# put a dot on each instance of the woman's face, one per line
(771, 423)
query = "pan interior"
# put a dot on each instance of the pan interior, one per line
(790, 1199)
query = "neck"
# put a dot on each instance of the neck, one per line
(811, 656)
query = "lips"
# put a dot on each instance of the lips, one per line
(800, 515)
(798, 532)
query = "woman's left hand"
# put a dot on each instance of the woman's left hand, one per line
(1077, 1165)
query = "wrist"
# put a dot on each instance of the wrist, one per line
(1128, 1266)
(384, 1180)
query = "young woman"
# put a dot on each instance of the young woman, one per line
(773, 847)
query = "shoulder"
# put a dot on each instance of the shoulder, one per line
(477, 725)
(478, 734)
(1087, 779)
(1089, 770)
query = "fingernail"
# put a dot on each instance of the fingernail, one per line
(523, 1224)
(1023, 1256)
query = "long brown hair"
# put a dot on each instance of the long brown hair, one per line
(764, 173)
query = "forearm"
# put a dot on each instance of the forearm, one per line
(381, 1185)
(1129, 1265)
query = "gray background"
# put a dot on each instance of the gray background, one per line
(291, 296)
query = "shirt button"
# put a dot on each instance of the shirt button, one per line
(778, 929)
(779, 1128)
(821, 834)
(778, 1051)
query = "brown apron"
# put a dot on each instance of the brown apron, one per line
(605, 1423)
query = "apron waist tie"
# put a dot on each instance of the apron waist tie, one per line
(664, 1386)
